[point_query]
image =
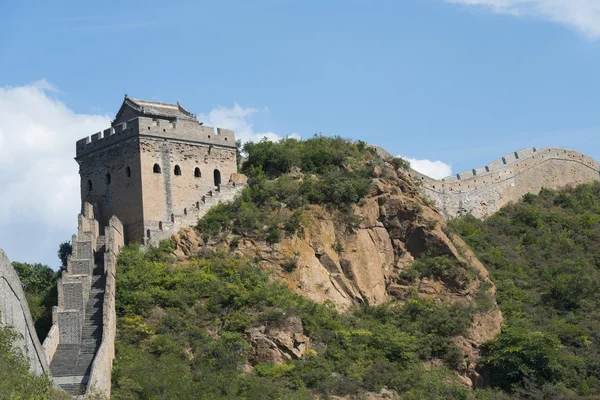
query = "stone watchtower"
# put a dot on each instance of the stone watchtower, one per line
(154, 168)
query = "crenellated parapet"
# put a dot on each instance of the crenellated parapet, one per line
(80, 345)
(483, 191)
(157, 128)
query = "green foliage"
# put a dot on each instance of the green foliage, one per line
(64, 251)
(16, 381)
(455, 273)
(543, 254)
(312, 156)
(400, 163)
(39, 285)
(181, 334)
(519, 354)
(335, 172)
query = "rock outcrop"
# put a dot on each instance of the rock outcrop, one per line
(335, 259)
(280, 343)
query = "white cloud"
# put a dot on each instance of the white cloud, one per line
(239, 119)
(38, 176)
(433, 169)
(582, 15)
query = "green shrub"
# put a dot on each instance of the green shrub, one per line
(519, 354)
(16, 380)
(39, 285)
(400, 163)
(542, 255)
(182, 332)
(453, 272)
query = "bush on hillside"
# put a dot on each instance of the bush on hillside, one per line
(543, 254)
(16, 381)
(39, 285)
(336, 173)
(182, 334)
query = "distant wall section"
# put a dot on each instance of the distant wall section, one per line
(14, 312)
(483, 191)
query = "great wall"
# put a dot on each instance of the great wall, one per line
(79, 349)
(483, 191)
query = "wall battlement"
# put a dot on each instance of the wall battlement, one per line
(152, 166)
(179, 130)
(494, 165)
(483, 191)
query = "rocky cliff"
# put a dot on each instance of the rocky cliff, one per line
(367, 258)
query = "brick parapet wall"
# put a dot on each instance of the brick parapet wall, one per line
(14, 312)
(159, 230)
(74, 286)
(100, 375)
(179, 130)
(483, 191)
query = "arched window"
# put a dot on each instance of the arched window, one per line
(160, 225)
(128, 172)
(217, 176)
(185, 211)
(197, 204)
(156, 169)
(177, 170)
(197, 173)
(89, 185)
(172, 217)
(107, 179)
(148, 233)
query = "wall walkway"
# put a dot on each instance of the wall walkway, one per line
(483, 191)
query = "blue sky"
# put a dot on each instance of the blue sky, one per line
(459, 81)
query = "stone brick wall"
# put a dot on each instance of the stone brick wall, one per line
(118, 177)
(157, 230)
(14, 312)
(100, 376)
(483, 191)
(121, 194)
(74, 285)
(169, 198)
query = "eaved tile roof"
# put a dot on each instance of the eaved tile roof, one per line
(155, 109)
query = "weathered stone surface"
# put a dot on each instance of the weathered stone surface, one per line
(194, 164)
(366, 264)
(482, 192)
(278, 344)
(14, 312)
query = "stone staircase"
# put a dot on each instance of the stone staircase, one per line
(72, 363)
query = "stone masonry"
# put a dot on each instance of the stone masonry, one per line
(154, 168)
(483, 191)
(80, 345)
(14, 312)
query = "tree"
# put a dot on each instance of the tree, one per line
(519, 354)
(64, 251)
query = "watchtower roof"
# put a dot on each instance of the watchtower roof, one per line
(132, 108)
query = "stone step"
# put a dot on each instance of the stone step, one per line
(74, 389)
(72, 363)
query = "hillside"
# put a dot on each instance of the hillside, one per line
(328, 276)
(543, 254)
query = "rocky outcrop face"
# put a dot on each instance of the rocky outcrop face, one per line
(345, 260)
(282, 343)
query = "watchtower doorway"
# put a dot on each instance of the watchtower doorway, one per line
(217, 175)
